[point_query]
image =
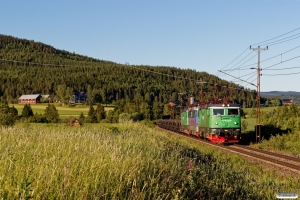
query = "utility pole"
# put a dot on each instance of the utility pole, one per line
(257, 127)
(181, 93)
(201, 92)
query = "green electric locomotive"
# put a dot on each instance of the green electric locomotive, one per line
(217, 123)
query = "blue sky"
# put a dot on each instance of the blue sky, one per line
(195, 34)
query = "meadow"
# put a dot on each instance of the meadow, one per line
(63, 111)
(125, 161)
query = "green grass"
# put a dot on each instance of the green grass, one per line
(251, 120)
(251, 124)
(247, 110)
(287, 144)
(124, 161)
(63, 111)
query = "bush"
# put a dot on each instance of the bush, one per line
(39, 118)
(7, 115)
(51, 114)
(137, 116)
(124, 117)
(27, 111)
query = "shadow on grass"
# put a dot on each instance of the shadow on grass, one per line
(265, 132)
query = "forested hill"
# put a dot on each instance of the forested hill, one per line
(29, 67)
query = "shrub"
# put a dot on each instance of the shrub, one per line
(7, 117)
(51, 114)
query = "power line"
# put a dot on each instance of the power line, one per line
(236, 58)
(271, 43)
(275, 37)
(282, 41)
(30, 63)
(127, 65)
(250, 81)
(254, 73)
(243, 59)
(236, 78)
(244, 67)
(284, 68)
(282, 62)
(243, 64)
(233, 60)
(281, 74)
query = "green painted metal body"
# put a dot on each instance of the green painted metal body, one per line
(219, 123)
(184, 118)
(224, 120)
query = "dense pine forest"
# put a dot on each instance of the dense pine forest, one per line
(29, 67)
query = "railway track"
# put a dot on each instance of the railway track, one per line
(282, 163)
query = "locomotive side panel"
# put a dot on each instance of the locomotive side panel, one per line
(203, 122)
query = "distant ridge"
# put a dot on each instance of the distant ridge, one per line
(279, 93)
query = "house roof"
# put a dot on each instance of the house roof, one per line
(29, 96)
(287, 100)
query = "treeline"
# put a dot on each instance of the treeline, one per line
(9, 115)
(28, 67)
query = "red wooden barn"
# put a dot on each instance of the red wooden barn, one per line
(287, 101)
(29, 99)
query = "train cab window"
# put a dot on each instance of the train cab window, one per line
(233, 111)
(191, 114)
(196, 113)
(218, 111)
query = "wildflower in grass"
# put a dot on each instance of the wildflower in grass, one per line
(190, 165)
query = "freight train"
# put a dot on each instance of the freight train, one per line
(218, 122)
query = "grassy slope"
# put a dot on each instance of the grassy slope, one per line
(124, 161)
(286, 143)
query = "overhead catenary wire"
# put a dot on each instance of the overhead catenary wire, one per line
(268, 42)
(281, 62)
(284, 68)
(244, 67)
(282, 40)
(250, 81)
(252, 73)
(275, 37)
(243, 59)
(233, 60)
(281, 74)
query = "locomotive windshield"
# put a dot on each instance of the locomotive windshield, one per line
(218, 111)
(233, 111)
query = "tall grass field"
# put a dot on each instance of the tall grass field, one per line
(124, 161)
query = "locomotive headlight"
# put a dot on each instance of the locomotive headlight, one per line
(217, 123)
(235, 123)
(228, 105)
